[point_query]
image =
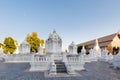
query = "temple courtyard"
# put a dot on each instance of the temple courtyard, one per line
(94, 71)
(56, 64)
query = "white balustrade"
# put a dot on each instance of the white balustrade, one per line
(73, 59)
(18, 58)
(41, 59)
(75, 62)
(40, 62)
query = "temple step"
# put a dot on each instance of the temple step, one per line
(60, 67)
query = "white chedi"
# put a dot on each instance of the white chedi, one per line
(54, 43)
(72, 48)
(104, 55)
(83, 50)
(97, 49)
(40, 50)
(24, 47)
(91, 53)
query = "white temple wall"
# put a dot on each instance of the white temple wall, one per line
(18, 58)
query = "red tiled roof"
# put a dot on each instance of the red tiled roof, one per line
(103, 41)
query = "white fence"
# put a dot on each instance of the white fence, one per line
(41, 58)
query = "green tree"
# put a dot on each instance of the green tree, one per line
(42, 42)
(34, 41)
(44, 50)
(86, 46)
(115, 50)
(79, 49)
(9, 45)
(110, 48)
(1, 45)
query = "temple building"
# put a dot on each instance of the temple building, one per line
(53, 43)
(110, 42)
(55, 60)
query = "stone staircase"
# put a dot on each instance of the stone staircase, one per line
(60, 67)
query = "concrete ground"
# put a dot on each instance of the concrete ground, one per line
(94, 71)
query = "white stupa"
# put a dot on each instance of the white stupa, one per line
(53, 43)
(83, 50)
(24, 47)
(97, 49)
(72, 48)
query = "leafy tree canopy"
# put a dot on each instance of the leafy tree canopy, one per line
(1, 45)
(79, 48)
(34, 41)
(44, 51)
(9, 45)
(42, 42)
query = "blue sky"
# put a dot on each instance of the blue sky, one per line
(74, 20)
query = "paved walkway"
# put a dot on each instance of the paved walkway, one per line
(94, 71)
(99, 71)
